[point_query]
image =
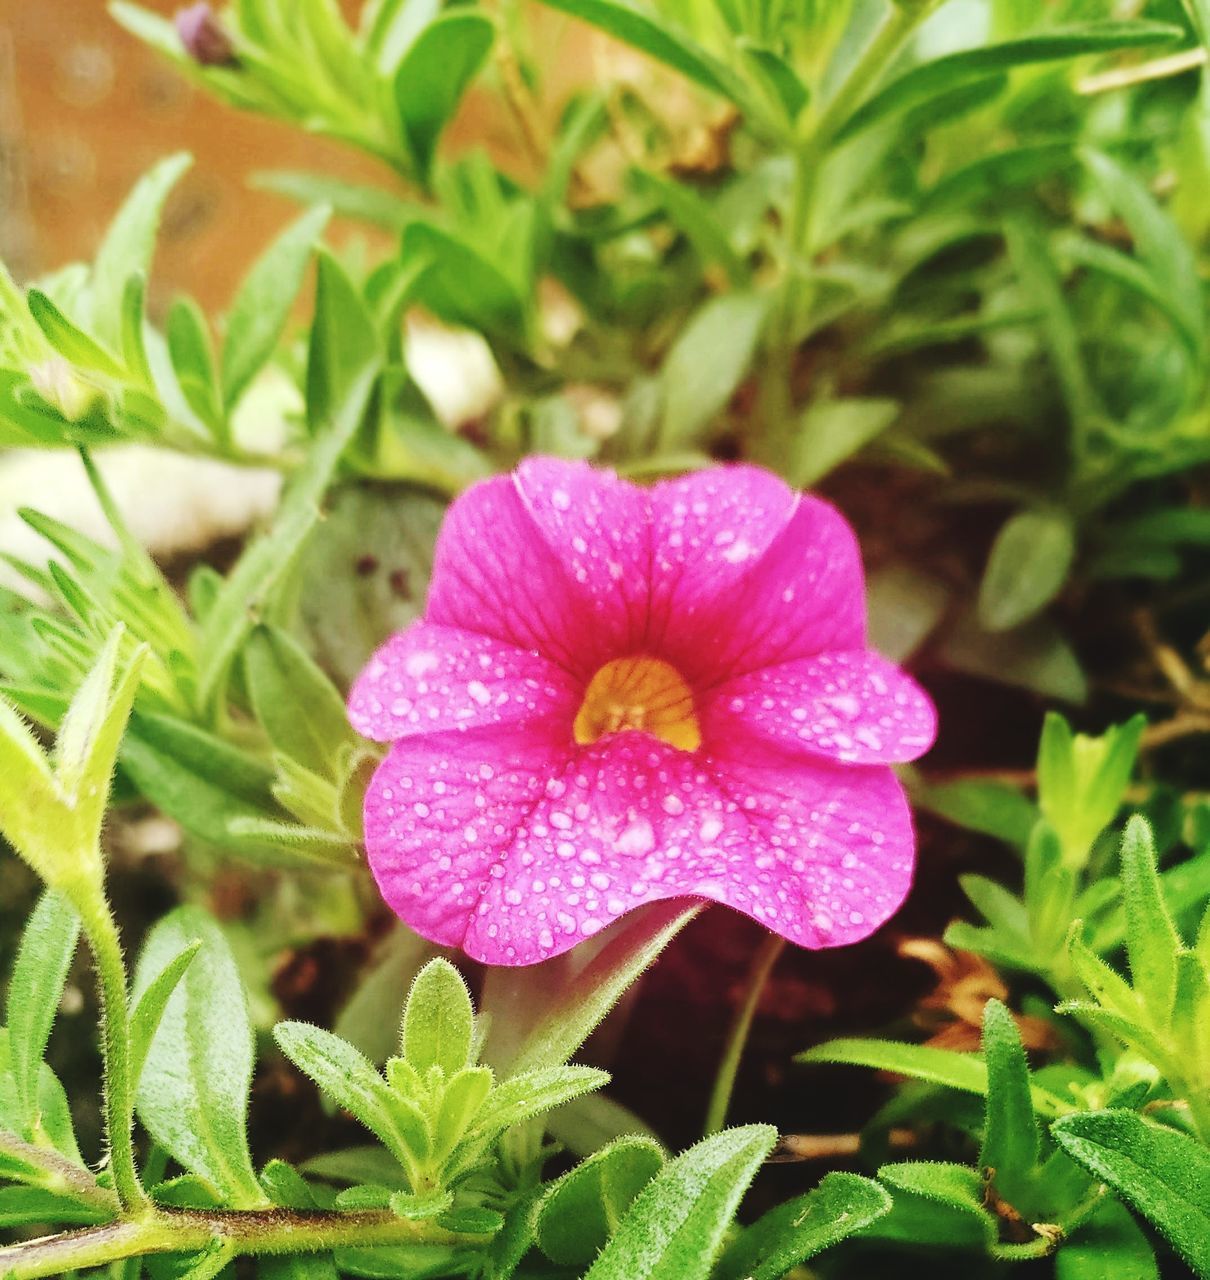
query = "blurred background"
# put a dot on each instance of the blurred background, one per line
(85, 109)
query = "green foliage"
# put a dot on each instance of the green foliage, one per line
(193, 1088)
(947, 252)
(437, 1111)
(1163, 1174)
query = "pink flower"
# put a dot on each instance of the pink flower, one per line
(622, 694)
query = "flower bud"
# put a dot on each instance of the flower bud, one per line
(204, 37)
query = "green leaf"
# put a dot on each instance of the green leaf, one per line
(1160, 244)
(992, 808)
(1110, 1246)
(71, 342)
(193, 1093)
(296, 704)
(522, 1097)
(129, 244)
(832, 431)
(946, 73)
(197, 778)
(463, 287)
(1028, 565)
(344, 356)
(1035, 657)
(1152, 942)
(1012, 1142)
(54, 1115)
(149, 1010)
(957, 1187)
(675, 1228)
(343, 365)
(579, 1212)
(39, 975)
(787, 1236)
(86, 748)
(544, 1013)
(434, 74)
(438, 1020)
(28, 795)
(192, 356)
(963, 1071)
(347, 1078)
(644, 29)
(26, 1206)
(706, 364)
(461, 1100)
(346, 199)
(1162, 1174)
(391, 26)
(261, 307)
(696, 219)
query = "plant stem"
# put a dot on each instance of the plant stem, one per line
(763, 961)
(793, 305)
(102, 933)
(273, 1231)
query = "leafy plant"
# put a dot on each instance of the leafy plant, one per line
(944, 258)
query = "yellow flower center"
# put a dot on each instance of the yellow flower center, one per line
(639, 693)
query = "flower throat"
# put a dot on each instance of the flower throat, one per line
(642, 693)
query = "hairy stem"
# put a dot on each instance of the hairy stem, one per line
(724, 1083)
(274, 1231)
(102, 933)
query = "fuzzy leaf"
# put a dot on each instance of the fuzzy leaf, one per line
(580, 1212)
(963, 1071)
(294, 701)
(34, 991)
(792, 1233)
(1152, 942)
(1162, 1174)
(193, 1093)
(1011, 1139)
(438, 1020)
(675, 1228)
(707, 363)
(345, 1076)
(434, 74)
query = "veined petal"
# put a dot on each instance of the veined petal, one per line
(431, 678)
(500, 843)
(493, 574)
(829, 849)
(852, 706)
(709, 530)
(442, 815)
(599, 527)
(803, 596)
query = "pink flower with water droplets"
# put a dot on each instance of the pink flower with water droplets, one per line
(622, 694)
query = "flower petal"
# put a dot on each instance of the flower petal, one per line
(803, 596)
(442, 815)
(599, 526)
(493, 575)
(430, 678)
(498, 842)
(830, 848)
(852, 706)
(708, 531)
